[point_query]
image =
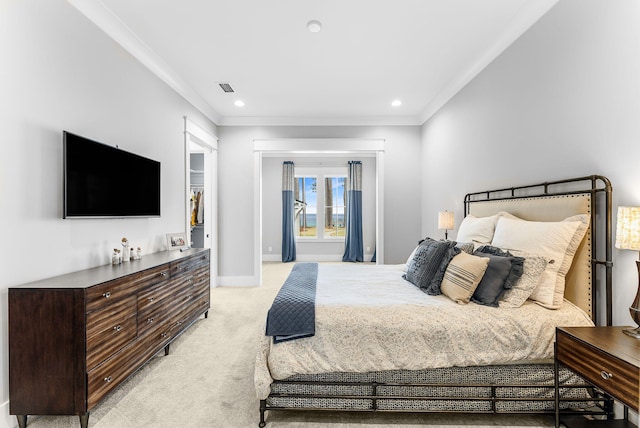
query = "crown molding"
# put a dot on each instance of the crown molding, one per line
(318, 146)
(528, 16)
(107, 21)
(321, 121)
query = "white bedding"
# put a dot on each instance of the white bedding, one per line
(370, 319)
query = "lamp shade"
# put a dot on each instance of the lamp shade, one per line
(628, 228)
(445, 220)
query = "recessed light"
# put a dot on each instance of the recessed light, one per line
(396, 103)
(239, 103)
(314, 26)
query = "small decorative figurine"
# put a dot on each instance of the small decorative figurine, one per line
(116, 259)
(125, 250)
(138, 253)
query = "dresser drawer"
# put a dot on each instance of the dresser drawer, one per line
(168, 299)
(201, 286)
(190, 264)
(157, 295)
(102, 379)
(152, 319)
(103, 294)
(183, 316)
(613, 375)
(157, 320)
(109, 329)
(201, 304)
(201, 276)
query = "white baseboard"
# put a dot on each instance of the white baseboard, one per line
(7, 420)
(238, 281)
(310, 257)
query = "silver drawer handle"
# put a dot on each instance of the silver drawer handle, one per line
(117, 328)
(150, 299)
(163, 335)
(605, 375)
(163, 274)
(149, 320)
(107, 379)
(106, 295)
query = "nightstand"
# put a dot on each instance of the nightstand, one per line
(606, 358)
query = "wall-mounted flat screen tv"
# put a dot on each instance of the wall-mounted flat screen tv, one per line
(101, 181)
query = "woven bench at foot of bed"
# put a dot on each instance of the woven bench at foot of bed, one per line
(493, 389)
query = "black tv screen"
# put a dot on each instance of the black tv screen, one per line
(104, 181)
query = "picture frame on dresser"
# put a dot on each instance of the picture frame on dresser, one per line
(176, 241)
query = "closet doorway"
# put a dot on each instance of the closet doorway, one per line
(199, 207)
(201, 157)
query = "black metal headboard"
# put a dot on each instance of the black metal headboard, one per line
(599, 190)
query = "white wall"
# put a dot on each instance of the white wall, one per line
(235, 191)
(563, 101)
(272, 209)
(60, 72)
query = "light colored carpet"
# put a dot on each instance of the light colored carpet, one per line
(207, 380)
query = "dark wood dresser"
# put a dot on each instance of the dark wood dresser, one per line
(75, 337)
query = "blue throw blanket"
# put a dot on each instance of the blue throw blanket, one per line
(293, 312)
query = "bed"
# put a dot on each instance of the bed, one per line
(381, 343)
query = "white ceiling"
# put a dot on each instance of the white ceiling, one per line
(368, 53)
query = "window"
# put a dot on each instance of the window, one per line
(305, 207)
(320, 211)
(335, 201)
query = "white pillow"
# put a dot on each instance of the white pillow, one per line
(556, 241)
(477, 229)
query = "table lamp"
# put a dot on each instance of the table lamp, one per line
(445, 222)
(628, 238)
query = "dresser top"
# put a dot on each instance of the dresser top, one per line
(100, 274)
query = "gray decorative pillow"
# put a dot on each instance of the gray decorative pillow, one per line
(503, 271)
(434, 286)
(533, 269)
(426, 262)
(467, 247)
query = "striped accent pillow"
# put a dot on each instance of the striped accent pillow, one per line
(462, 277)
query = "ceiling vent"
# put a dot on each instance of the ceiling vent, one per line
(226, 87)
